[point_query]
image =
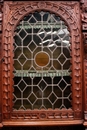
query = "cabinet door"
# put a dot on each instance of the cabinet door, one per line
(42, 71)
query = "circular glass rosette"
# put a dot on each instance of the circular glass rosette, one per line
(42, 59)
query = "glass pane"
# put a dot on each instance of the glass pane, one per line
(42, 59)
(42, 63)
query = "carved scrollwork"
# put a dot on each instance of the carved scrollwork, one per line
(13, 13)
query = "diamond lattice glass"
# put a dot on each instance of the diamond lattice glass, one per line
(42, 62)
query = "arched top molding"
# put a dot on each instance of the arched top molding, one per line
(17, 10)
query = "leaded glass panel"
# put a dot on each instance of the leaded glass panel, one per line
(42, 62)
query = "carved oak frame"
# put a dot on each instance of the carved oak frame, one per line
(13, 13)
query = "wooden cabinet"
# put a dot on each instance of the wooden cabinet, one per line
(43, 63)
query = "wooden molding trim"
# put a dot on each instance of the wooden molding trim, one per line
(42, 123)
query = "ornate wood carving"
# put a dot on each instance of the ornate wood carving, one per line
(13, 13)
(84, 32)
(84, 14)
(43, 114)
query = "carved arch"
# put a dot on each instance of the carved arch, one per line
(13, 13)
